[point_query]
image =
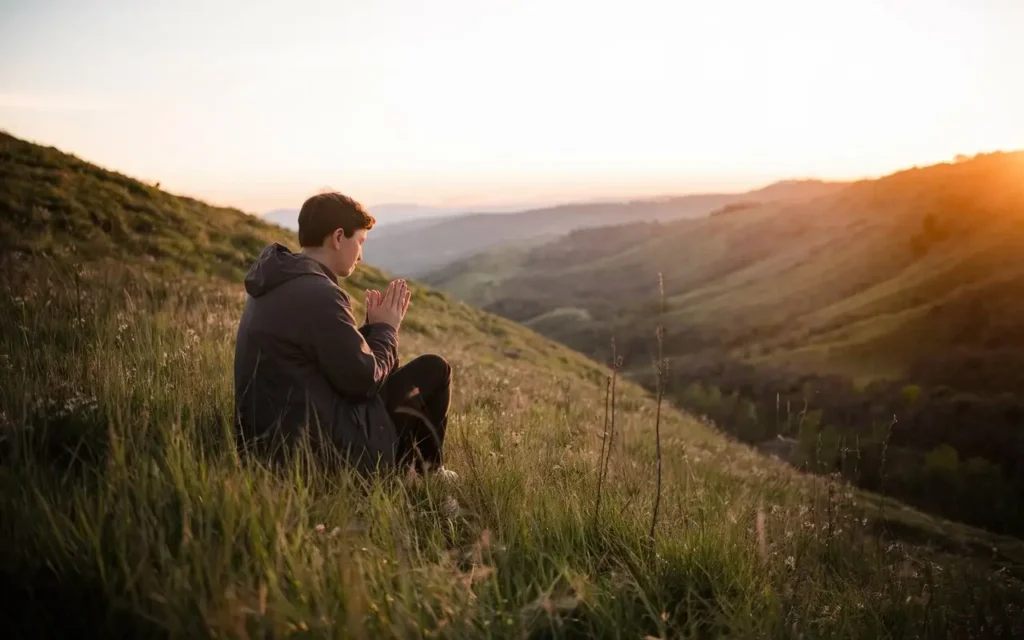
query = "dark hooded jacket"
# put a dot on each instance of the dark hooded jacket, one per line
(303, 367)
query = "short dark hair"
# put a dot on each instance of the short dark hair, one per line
(323, 213)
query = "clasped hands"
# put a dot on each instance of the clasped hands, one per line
(390, 307)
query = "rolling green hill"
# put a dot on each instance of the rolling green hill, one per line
(905, 255)
(125, 511)
(913, 279)
(57, 204)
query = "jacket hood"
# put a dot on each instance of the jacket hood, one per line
(276, 265)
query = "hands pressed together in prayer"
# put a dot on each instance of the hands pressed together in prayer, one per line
(390, 307)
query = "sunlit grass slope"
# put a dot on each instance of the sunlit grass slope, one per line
(124, 510)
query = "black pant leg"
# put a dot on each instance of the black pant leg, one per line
(424, 386)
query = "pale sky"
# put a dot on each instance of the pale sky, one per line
(456, 102)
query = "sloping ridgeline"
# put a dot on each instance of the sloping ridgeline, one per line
(124, 511)
(419, 247)
(820, 322)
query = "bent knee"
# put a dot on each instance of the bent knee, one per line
(437, 364)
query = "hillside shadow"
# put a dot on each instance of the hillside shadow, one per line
(37, 603)
(72, 445)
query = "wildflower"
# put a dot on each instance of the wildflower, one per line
(450, 507)
(320, 528)
(791, 562)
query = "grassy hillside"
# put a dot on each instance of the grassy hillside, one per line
(58, 204)
(125, 512)
(911, 285)
(417, 248)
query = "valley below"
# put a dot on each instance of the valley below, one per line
(876, 327)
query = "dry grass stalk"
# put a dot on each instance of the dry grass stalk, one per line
(604, 444)
(661, 371)
(609, 431)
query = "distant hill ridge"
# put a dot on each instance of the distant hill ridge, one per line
(418, 247)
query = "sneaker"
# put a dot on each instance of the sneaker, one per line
(447, 475)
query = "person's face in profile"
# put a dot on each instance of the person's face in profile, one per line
(348, 252)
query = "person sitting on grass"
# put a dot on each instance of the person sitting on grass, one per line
(302, 366)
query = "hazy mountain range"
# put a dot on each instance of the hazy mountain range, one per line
(420, 246)
(390, 214)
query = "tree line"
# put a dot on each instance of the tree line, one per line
(958, 454)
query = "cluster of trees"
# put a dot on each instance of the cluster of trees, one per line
(956, 454)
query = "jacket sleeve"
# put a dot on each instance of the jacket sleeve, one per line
(356, 361)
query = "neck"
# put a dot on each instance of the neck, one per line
(318, 254)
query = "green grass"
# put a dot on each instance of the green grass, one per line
(123, 500)
(58, 204)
